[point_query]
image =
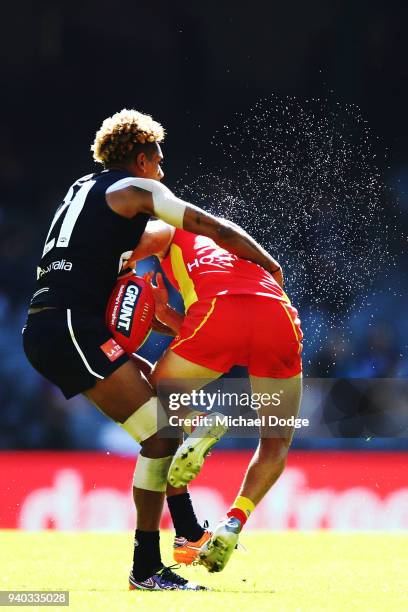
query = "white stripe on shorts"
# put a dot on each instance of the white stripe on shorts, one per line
(78, 348)
(40, 291)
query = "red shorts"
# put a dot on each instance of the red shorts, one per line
(258, 332)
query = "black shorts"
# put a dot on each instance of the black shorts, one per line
(72, 349)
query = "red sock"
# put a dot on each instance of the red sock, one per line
(239, 514)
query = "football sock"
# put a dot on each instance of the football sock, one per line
(241, 509)
(146, 556)
(184, 518)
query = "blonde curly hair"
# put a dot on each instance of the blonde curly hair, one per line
(120, 136)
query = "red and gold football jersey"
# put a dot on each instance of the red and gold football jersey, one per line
(200, 269)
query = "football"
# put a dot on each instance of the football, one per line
(130, 312)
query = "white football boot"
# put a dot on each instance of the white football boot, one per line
(189, 457)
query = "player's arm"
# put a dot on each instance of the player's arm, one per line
(131, 196)
(155, 240)
(162, 328)
(169, 321)
(163, 311)
(230, 237)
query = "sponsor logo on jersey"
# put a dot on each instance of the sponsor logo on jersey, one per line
(218, 260)
(112, 349)
(62, 264)
(127, 309)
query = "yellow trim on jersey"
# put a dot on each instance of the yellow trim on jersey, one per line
(181, 275)
(286, 298)
(205, 319)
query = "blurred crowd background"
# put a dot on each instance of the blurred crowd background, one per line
(192, 66)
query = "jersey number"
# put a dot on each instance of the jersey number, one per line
(71, 209)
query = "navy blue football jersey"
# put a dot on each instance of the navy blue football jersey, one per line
(85, 246)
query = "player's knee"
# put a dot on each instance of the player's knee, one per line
(153, 463)
(157, 446)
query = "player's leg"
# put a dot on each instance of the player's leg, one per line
(172, 366)
(190, 535)
(276, 372)
(180, 375)
(269, 459)
(74, 351)
(127, 397)
(123, 396)
(264, 469)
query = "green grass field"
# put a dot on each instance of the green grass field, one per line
(280, 571)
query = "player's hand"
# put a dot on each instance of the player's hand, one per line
(160, 293)
(170, 320)
(128, 261)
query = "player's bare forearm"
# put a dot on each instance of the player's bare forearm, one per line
(152, 198)
(161, 328)
(170, 318)
(229, 236)
(241, 244)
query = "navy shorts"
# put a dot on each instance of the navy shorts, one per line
(72, 349)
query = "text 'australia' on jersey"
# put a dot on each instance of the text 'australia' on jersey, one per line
(198, 268)
(85, 246)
